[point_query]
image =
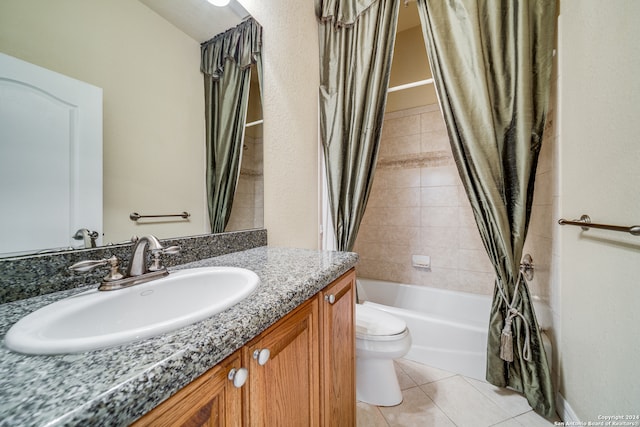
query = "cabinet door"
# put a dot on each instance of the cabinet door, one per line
(338, 352)
(211, 400)
(284, 390)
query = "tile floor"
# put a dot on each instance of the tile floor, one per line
(437, 398)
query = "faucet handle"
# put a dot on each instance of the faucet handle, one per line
(156, 263)
(89, 265)
(114, 272)
(171, 250)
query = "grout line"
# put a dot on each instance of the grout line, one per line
(494, 400)
(452, 376)
(512, 419)
(383, 417)
(436, 403)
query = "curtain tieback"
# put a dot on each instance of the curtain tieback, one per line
(506, 338)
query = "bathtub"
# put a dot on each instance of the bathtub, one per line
(448, 328)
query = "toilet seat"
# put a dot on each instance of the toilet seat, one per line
(376, 325)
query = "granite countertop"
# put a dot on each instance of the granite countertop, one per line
(115, 386)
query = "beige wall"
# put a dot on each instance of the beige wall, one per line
(410, 64)
(153, 107)
(599, 173)
(290, 132)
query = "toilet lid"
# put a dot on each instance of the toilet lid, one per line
(370, 321)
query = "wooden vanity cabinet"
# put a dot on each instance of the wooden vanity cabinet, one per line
(285, 389)
(211, 400)
(338, 369)
(308, 378)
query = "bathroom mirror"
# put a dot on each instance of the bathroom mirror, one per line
(145, 55)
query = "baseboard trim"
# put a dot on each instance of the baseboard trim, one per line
(565, 411)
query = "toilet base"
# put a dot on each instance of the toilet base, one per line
(377, 382)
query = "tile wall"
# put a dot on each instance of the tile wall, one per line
(544, 214)
(543, 235)
(248, 203)
(418, 206)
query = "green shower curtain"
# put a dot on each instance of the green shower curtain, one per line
(226, 65)
(356, 48)
(491, 62)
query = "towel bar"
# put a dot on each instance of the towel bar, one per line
(136, 216)
(585, 223)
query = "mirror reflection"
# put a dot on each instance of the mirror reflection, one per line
(153, 105)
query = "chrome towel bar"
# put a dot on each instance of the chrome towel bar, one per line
(585, 223)
(136, 216)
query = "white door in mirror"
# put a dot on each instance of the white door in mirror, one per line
(50, 158)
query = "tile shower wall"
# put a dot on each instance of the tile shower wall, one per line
(248, 202)
(541, 240)
(543, 234)
(418, 206)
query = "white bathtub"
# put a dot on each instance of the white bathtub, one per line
(448, 328)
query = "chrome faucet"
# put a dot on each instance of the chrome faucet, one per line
(138, 261)
(137, 271)
(88, 236)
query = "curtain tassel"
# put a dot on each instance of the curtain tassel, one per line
(506, 341)
(506, 338)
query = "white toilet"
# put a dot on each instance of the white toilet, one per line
(380, 338)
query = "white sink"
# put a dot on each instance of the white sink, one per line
(98, 319)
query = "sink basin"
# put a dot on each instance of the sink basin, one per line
(94, 319)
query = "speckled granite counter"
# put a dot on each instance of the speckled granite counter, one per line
(115, 386)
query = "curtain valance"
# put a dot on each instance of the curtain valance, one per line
(241, 44)
(341, 13)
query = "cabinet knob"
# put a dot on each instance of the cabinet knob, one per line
(331, 298)
(238, 376)
(261, 355)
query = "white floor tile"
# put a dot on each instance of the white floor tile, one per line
(512, 402)
(422, 374)
(531, 419)
(415, 410)
(449, 400)
(508, 423)
(404, 380)
(369, 416)
(463, 403)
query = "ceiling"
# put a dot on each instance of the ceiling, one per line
(202, 20)
(198, 18)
